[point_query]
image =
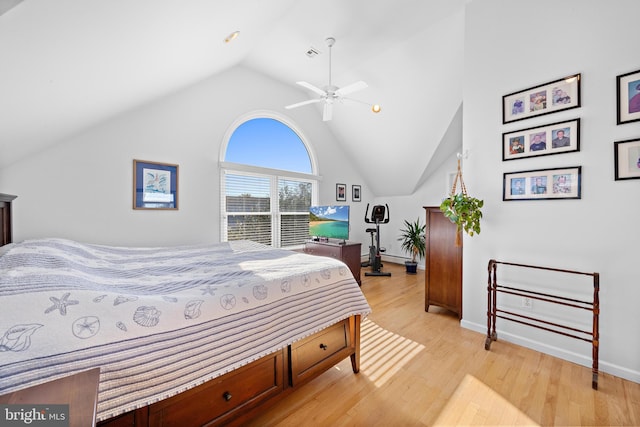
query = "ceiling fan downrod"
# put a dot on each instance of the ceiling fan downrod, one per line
(330, 42)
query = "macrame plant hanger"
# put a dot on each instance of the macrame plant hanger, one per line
(453, 194)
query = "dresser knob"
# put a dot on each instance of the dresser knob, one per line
(227, 396)
(323, 346)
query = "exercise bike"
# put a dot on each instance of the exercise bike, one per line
(379, 215)
(372, 249)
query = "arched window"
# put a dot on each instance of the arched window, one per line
(269, 180)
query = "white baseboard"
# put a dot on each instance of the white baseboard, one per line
(393, 259)
(603, 366)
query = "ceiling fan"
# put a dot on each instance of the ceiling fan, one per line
(330, 93)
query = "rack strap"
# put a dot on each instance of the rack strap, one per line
(455, 182)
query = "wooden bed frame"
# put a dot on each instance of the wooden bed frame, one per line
(5, 218)
(240, 395)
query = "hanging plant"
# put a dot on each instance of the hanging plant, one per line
(462, 209)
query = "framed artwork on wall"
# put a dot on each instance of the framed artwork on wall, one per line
(628, 96)
(555, 138)
(556, 183)
(558, 95)
(341, 192)
(356, 195)
(627, 159)
(155, 185)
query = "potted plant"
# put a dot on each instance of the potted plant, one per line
(464, 211)
(413, 242)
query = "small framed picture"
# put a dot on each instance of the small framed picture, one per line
(561, 94)
(556, 138)
(628, 94)
(355, 193)
(627, 159)
(557, 183)
(155, 185)
(341, 192)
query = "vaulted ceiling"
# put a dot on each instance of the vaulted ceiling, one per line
(67, 65)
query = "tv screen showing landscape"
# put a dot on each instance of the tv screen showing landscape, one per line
(329, 221)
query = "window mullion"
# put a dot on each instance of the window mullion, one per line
(275, 212)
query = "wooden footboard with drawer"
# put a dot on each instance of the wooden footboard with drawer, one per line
(241, 394)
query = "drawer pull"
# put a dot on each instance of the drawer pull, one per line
(227, 396)
(323, 346)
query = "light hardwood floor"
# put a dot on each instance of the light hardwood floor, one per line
(420, 368)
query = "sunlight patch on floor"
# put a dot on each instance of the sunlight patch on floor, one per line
(475, 404)
(383, 353)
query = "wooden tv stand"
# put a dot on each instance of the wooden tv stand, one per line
(349, 253)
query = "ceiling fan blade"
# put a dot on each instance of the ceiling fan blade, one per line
(300, 104)
(327, 112)
(312, 88)
(354, 87)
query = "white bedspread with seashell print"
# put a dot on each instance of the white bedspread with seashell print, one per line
(158, 320)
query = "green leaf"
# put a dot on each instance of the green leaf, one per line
(413, 239)
(464, 211)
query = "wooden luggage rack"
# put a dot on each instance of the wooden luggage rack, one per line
(493, 312)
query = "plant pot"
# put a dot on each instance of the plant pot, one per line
(412, 267)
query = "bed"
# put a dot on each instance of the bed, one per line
(186, 335)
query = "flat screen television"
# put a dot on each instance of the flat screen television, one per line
(329, 222)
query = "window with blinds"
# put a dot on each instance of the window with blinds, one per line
(262, 203)
(248, 208)
(294, 200)
(272, 210)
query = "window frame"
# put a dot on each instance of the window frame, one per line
(274, 174)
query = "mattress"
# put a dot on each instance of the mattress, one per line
(158, 321)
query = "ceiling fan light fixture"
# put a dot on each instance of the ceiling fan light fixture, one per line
(231, 37)
(376, 108)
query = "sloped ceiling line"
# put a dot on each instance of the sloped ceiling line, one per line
(70, 65)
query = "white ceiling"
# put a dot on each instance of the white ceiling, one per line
(67, 65)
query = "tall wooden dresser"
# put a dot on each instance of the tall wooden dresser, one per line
(443, 263)
(5, 218)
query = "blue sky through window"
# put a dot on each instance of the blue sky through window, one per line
(268, 143)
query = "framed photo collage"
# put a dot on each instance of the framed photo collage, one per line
(559, 137)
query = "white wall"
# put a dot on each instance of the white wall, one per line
(412, 207)
(513, 45)
(82, 188)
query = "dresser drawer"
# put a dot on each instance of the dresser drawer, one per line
(332, 251)
(220, 399)
(319, 351)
